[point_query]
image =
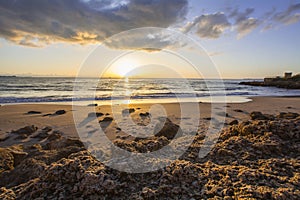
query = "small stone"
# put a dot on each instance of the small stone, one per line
(34, 112)
(234, 122)
(128, 111)
(146, 114)
(93, 104)
(167, 129)
(97, 114)
(238, 110)
(107, 119)
(60, 112)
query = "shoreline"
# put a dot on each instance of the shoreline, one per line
(239, 99)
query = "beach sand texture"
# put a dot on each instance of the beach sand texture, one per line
(256, 156)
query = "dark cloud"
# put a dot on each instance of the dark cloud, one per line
(39, 22)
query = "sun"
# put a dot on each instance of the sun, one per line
(123, 67)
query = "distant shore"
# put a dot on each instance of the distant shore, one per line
(279, 82)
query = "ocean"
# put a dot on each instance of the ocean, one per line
(61, 90)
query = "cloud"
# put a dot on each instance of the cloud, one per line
(286, 17)
(209, 25)
(215, 25)
(246, 26)
(37, 22)
(147, 39)
(243, 23)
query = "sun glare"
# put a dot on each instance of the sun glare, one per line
(123, 67)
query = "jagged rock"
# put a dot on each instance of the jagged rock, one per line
(6, 160)
(24, 132)
(260, 116)
(257, 159)
(289, 115)
(43, 133)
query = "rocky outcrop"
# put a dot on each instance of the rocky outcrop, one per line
(254, 159)
(288, 83)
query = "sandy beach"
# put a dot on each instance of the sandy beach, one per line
(43, 156)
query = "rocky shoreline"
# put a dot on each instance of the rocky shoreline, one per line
(253, 159)
(289, 83)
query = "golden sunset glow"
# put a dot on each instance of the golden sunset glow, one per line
(122, 68)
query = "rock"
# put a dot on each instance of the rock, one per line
(208, 118)
(60, 112)
(256, 159)
(146, 114)
(289, 115)
(27, 130)
(234, 122)
(224, 114)
(97, 114)
(260, 116)
(6, 160)
(34, 112)
(43, 133)
(288, 83)
(106, 119)
(93, 104)
(167, 129)
(4, 137)
(128, 111)
(55, 135)
(238, 110)
(7, 194)
(18, 156)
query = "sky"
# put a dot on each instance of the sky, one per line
(243, 39)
